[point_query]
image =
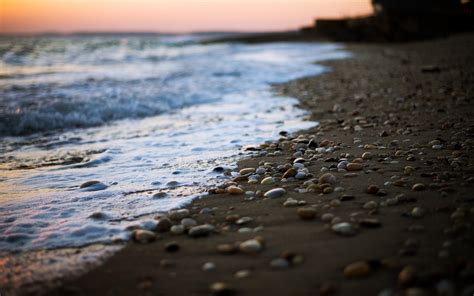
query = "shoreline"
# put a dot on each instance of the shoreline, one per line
(286, 255)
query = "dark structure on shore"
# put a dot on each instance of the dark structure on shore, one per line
(402, 20)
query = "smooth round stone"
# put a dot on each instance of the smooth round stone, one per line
(260, 171)
(290, 202)
(418, 187)
(209, 266)
(206, 211)
(354, 166)
(251, 246)
(279, 263)
(188, 222)
(328, 178)
(299, 160)
(177, 229)
(163, 225)
(301, 176)
(275, 193)
(342, 165)
(268, 181)
(246, 171)
(343, 228)
(373, 189)
(244, 220)
(417, 212)
(245, 230)
(307, 213)
(160, 195)
(221, 289)
(241, 274)
(234, 190)
(327, 217)
(201, 230)
(357, 270)
(298, 165)
(370, 205)
(367, 155)
(178, 214)
(93, 186)
(226, 249)
(143, 236)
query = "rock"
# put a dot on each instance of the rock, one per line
(301, 176)
(247, 171)
(290, 202)
(188, 222)
(367, 155)
(241, 274)
(328, 178)
(275, 193)
(327, 217)
(93, 186)
(251, 246)
(163, 225)
(279, 263)
(357, 270)
(268, 181)
(201, 230)
(407, 275)
(346, 197)
(172, 247)
(373, 189)
(178, 214)
(370, 205)
(234, 190)
(143, 236)
(418, 187)
(290, 173)
(417, 212)
(209, 266)
(355, 166)
(342, 165)
(227, 249)
(370, 223)
(307, 213)
(243, 220)
(221, 289)
(177, 229)
(343, 228)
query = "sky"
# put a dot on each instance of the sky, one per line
(33, 16)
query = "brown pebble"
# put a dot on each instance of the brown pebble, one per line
(357, 270)
(307, 213)
(353, 166)
(227, 249)
(163, 225)
(290, 173)
(407, 275)
(373, 189)
(418, 187)
(234, 190)
(221, 289)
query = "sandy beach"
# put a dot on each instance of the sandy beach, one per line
(377, 200)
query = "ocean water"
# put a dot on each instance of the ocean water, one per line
(150, 117)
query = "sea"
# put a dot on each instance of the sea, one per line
(153, 118)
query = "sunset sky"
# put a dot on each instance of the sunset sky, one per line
(28, 16)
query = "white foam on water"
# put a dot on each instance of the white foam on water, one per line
(217, 99)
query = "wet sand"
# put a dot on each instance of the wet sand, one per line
(408, 110)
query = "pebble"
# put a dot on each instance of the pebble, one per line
(188, 222)
(327, 217)
(346, 197)
(417, 212)
(367, 155)
(279, 263)
(251, 246)
(227, 249)
(201, 230)
(221, 289)
(178, 214)
(342, 165)
(373, 189)
(357, 270)
(93, 186)
(328, 178)
(163, 225)
(160, 195)
(209, 266)
(343, 228)
(307, 213)
(177, 229)
(275, 193)
(407, 275)
(244, 220)
(418, 187)
(268, 181)
(290, 202)
(246, 171)
(241, 274)
(290, 173)
(370, 205)
(355, 166)
(143, 236)
(234, 190)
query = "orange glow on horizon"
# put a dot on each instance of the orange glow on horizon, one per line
(30, 16)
